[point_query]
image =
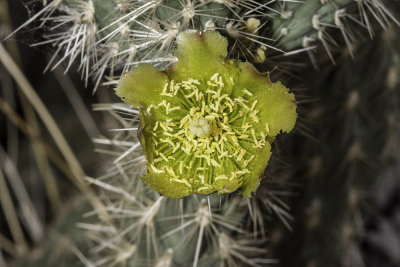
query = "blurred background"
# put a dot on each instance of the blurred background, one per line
(40, 198)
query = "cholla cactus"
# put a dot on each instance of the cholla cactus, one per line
(153, 230)
(107, 38)
(302, 26)
(344, 215)
(156, 231)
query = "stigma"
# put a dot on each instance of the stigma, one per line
(199, 127)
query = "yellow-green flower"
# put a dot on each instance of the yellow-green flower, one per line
(207, 123)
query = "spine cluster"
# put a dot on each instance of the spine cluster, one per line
(104, 39)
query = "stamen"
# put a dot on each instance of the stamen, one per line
(210, 134)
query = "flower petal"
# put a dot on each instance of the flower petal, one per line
(249, 78)
(163, 184)
(257, 167)
(142, 86)
(200, 55)
(277, 109)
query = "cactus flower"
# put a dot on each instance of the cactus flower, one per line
(207, 123)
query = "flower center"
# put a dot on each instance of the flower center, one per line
(206, 132)
(199, 127)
